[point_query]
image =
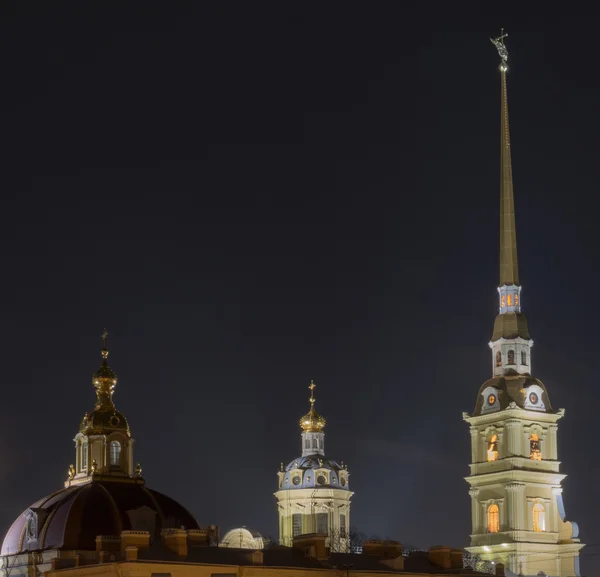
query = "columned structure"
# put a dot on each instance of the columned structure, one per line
(518, 516)
(314, 495)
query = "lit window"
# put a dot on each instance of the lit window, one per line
(498, 359)
(511, 357)
(539, 517)
(510, 300)
(115, 454)
(534, 448)
(492, 450)
(84, 452)
(493, 519)
(523, 358)
(516, 300)
(502, 301)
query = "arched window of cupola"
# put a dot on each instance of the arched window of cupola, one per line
(511, 357)
(516, 300)
(498, 359)
(493, 518)
(115, 454)
(539, 517)
(524, 357)
(535, 452)
(510, 300)
(502, 302)
(307, 444)
(84, 452)
(315, 444)
(492, 450)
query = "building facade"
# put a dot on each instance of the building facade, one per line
(518, 516)
(314, 493)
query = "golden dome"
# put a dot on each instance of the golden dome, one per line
(312, 422)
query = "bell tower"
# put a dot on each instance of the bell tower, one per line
(517, 511)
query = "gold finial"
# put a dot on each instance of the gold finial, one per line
(138, 470)
(94, 466)
(501, 47)
(71, 472)
(281, 467)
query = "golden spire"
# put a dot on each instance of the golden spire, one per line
(104, 378)
(312, 422)
(509, 266)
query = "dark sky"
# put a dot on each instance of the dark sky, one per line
(252, 195)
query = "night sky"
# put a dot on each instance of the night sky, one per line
(252, 195)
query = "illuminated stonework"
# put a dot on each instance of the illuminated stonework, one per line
(314, 492)
(517, 512)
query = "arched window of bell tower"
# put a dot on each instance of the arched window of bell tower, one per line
(511, 357)
(539, 517)
(84, 452)
(498, 359)
(492, 449)
(493, 516)
(115, 454)
(535, 452)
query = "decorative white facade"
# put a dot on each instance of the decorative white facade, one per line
(314, 494)
(517, 511)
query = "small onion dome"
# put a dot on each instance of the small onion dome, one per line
(105, 372)
(312, 422)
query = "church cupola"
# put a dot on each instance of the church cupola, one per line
(312, 424)
(313, 490)
(103, 446)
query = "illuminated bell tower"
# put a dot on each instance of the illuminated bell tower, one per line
(517, 510)
(314, 495)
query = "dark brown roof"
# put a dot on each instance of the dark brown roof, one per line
(72, 518)
(512, 388)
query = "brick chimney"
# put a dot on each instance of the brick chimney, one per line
(382, 549)
(255, 557)
(175, 540)
(197, 538)
(442, 557)
(313, 545)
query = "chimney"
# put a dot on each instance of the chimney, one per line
(131, 553)
(255, 557)
(313, 545)
(139, 539)
(108, 543)
(382, 549)
(440, 556)
(197, 538)
(175, 540)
